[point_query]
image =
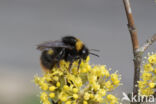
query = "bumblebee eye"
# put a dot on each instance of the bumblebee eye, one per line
(84, 51)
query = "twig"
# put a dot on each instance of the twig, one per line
(137, 51)
(147, 44)
(135, 44)
(131, 25)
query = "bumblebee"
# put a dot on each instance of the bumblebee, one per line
(69, 48)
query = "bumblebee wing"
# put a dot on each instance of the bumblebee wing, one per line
(52, 44)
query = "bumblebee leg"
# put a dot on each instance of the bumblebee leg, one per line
(59, 57)
(70, 65)
(70, 59)
(58, 65)
(79, 64)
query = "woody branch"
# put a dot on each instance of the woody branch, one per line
(148, 43)
(135, 44)
(137, 51)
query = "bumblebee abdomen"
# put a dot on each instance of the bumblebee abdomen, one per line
(47, 61)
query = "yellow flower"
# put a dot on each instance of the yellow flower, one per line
(109, 85)
(75, 90)
(75, 96)
(52, 88)
(41, 81)
(78, 82)
(44, 96)
(86, 85)
(92, 78)
(44, 86)
(147, 91)
(116, 82)
(88, 68)
(115, 79)
(36, 79)
(74, 102)
(63, 97)
(52, 95)
(84, 70)
(58, 84)
(56, 78)
(46, 102)
(85, 102)
(96, 86)
(98, 71)
(142, 84)
(152, 59)
(87, 60)
(155, 71)
(106, 72)
(86, 96)
(146, 76)
(66, 87)
(91, 96)
(148, 67)
(74, 70)
(148, 79)
(151, 85)
(98, 98)
(102, 92)
(68, 102)
(112, 99)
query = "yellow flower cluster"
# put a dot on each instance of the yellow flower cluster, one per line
(90, 84)
(147, 83)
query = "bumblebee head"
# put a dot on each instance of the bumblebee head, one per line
(84, 52)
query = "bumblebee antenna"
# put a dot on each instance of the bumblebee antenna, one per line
(94, 50)
(94, 54)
